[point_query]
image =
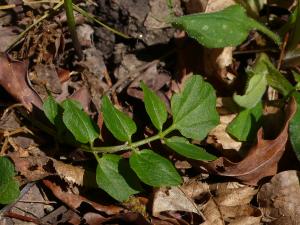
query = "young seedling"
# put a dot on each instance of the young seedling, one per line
(194, 115)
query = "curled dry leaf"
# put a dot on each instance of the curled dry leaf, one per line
(37, 167)
(13, 78)
(233, 201)
(232, 193)
(178, 205)
(220, 138)
(74, 201)
(262, 158)
(212, 213)
(279, 199)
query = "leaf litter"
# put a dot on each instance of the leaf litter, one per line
(112, 65)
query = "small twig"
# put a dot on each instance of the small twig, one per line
(39, 202)
(21, 217)
(282, 52)
(10, 6)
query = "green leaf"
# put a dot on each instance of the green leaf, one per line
(297, 79)
(50, 108)
(155, 107)
(117, 122)
(194, 109)
(294, 128)
(9, 188)
(256, 88)
(154, 169)
(294, 37)
(183, 147)
(245, 125)
(114, 176)
(79, 123)
(274, 78)
(229, 27)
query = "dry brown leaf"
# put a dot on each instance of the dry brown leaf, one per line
(152, 77)
(179, 198)
(173, 199)
(262, 158)
(34, 168)
(7, 37)
(280, 198)
(219, 136)
(45, 76)
(74, 201)
(177, 205)
(13, 78)
(233, 201)
(230, 204)
(241, 215)
(212, 213)
(232, 193)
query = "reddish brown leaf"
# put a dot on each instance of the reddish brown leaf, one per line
(262, 158)
(13, 80)
(74, 201)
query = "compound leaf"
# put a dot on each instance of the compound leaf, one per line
(228, 27)
(114, 176)
(155, 107)
(117, 122)
(154, 169)
(79, 123)
(183, 147)
(194, 109)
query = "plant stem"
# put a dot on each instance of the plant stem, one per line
(111, 149)
(72, 27)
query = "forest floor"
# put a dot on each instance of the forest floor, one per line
(255, 179)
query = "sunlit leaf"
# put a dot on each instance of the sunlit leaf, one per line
(154, 169)
(183, 147)
(79, 123)
(117, 122)
(254, 92)
(155, 107)
(194, 109)
(229, 27)
(245, 125)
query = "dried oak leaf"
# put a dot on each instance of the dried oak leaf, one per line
(262, 158)
(279, 199)
(13, 75)
(74, 201)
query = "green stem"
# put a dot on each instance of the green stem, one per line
(111, 149)
(72, 27)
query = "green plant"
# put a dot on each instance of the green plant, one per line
(9, 187)
(193, 111)
(229, 27)
(194, 115)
